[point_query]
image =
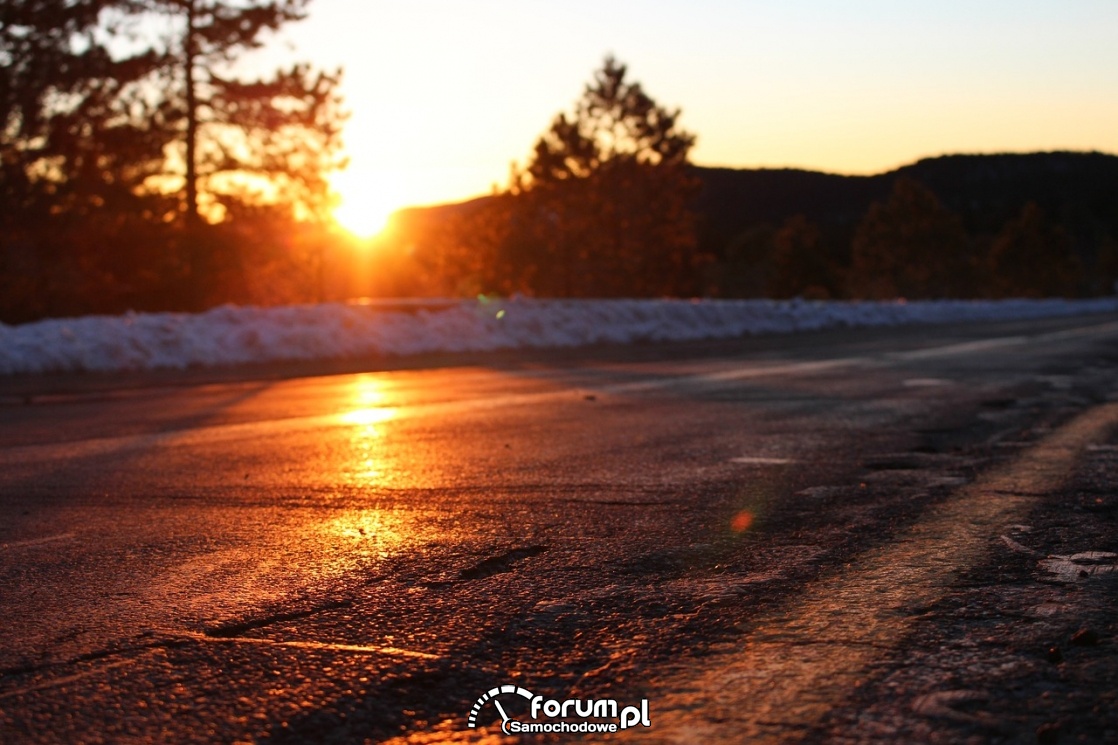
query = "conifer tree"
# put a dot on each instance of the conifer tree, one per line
(910, 246)
(286, 125)
(1031, 257)
(127, 131)
(76, 142)
(605, 207)
(271, 139)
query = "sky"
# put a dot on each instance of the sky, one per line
(445, 94)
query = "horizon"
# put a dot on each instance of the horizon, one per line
(444, 97)
(873, 174)
(212, 178)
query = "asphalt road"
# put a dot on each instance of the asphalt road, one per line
(856, 536)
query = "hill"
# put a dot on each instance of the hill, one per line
(985, 190)
(740, 210)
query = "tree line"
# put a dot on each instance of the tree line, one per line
(911, 245)
(602, 208)
(140, 171)
(907, 245)
(608, 205)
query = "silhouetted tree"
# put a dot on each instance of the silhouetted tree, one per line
(745, 267)
(801, 264)
(1105, 274)
(268, 140)
(910, 246)
(1031, 257)
(77, 140)
(117, 143)
(605, 198)
(285, 126)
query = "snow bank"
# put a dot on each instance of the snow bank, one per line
(234, 335)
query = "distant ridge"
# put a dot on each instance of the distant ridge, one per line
(741, 213)
(986, 190)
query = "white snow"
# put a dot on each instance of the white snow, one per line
(239, 335)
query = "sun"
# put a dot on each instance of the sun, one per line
(361, 220)
(365, 205)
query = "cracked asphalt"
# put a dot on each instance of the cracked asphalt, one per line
(900, 535)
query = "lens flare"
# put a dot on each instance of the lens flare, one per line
(741, 521)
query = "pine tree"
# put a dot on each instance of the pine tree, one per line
(801, 265)
(910, 246)
(265, 140)
(77, 139)
(604, 206)
(1031, 257)
(286, 125)
(119, 147)
(70, 110)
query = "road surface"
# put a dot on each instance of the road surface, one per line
(855, 536)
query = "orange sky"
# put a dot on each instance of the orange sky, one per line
(445, 94)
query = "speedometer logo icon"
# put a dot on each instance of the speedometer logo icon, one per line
(491, 695)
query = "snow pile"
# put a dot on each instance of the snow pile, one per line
(234, 335)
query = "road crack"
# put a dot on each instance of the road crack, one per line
(500, 564)
(238, 628)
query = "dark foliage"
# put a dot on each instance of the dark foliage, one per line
(802, 264)
(910, 246)
(981, 194)
(602, 209)
(126, 158)
(784, 233)
(1031, 257)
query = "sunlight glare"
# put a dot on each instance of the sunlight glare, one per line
(375, 528)
(368, 417)
(367, 457)
(366, 204)
(367, 399)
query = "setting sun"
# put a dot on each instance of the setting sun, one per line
(361, 222)
(366, 203)
(851, 90)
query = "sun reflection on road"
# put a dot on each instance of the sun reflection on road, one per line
(369, 532)
(368, 399)
(367, 417)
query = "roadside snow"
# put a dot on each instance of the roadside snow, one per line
(235, 335)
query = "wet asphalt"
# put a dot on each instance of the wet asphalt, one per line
(852, 536)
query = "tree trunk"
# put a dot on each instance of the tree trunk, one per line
(197, 261)
(192, 216)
